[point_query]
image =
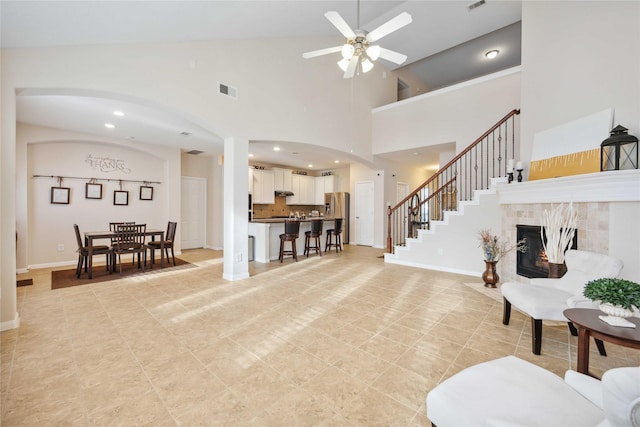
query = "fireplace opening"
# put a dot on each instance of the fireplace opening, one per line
(533, 262)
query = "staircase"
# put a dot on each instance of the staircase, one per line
(436, 226)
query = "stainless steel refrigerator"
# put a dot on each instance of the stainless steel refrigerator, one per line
(336, 205)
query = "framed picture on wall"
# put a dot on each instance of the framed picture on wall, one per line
(120, 198)
(92, 191)
(146, 193)
(60, 195)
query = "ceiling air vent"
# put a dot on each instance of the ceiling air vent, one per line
(228, 90)
(195, 152)
(476, 4)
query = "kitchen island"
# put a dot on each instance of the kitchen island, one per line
(267, 233)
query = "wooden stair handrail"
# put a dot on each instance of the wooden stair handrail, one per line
(513, 112)
(441, 171)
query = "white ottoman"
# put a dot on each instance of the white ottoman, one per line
(512, 392)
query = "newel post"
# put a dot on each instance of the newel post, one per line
(389, 229)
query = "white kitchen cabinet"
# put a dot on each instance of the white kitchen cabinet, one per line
(282, 179)
(303, 188)
(295, 188)
(324, 184)
(263, 185)
(307, 190)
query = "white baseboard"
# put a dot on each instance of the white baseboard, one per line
(53, 264)
(434, 267)
(235, 277)
(10, 324)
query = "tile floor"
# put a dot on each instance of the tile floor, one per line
(341, 339)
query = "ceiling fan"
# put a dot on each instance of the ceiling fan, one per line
(359, 50)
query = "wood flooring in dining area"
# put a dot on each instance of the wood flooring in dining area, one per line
(342, 339)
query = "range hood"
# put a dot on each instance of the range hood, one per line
(284, 193)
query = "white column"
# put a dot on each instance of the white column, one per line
(8, 301)
(236, 193)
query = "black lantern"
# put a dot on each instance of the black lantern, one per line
(619, 151)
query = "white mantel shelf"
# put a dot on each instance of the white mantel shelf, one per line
(611, 186)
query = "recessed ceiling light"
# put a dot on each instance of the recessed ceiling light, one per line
(250, 154)
(336, 161)
(492, 54)
(276, 148)
(310, 165)
(109, 125)
(118, 113)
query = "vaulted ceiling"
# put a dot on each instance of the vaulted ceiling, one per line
(445, 43)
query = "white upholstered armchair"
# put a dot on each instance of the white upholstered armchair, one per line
(516, 393)
(546, 299)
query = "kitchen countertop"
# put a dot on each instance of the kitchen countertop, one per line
(282, 220)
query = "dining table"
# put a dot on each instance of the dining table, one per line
(90, 236)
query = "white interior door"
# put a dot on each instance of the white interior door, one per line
(401, 191)
(193, 212)
(364, 213)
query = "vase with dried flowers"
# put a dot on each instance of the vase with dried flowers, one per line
(494, 249)
(559, 227)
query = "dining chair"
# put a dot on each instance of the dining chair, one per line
(83, 253)
(130, 239)
(113, 227)
(169, 237)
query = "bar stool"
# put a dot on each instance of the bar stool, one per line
(315, 233)
(337, 232)
(291, 231)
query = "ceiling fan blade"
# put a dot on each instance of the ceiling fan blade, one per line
(351, 69)
(340, 24)
(321, 52)
(392, 56)
(389, 27)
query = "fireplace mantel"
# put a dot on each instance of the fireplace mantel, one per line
(611, 186)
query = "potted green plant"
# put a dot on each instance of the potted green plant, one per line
(617, 297)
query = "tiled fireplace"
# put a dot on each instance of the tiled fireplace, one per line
(591, 194)
(533, 262)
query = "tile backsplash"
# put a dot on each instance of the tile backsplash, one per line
(280, 208)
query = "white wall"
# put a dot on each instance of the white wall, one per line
(452, 245)
(59, 153)
(286, 98)
(579, 58)
(459, 114)
(624, 237)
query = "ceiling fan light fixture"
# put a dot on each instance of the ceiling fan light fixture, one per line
(492, 53)
(347, 51)
(343, 64)
(366, 65)
(373, 52)
(357, 53)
